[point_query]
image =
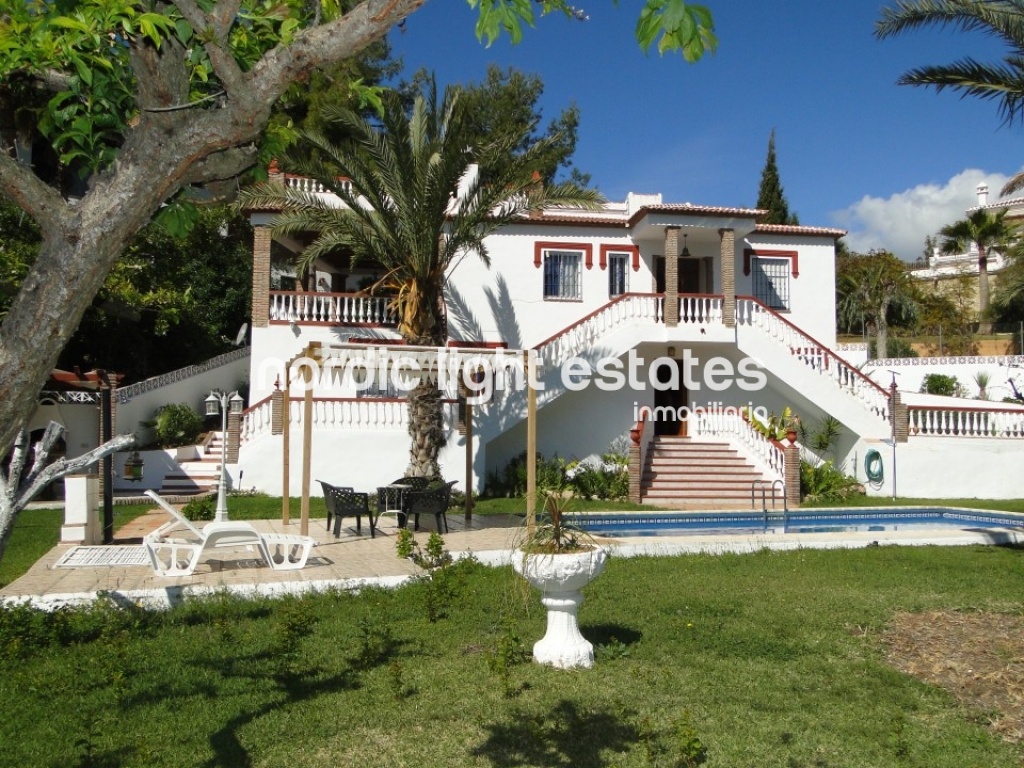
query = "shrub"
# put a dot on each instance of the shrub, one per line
(941, 384)
(199, 508)
(176, 424)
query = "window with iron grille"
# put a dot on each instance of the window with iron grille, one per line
(618, 274)
(771, 281)
(374, 388)
(562, 275)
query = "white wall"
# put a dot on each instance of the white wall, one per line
(81, 422)
(812, 293)
(912, 370)
(947, 468)
(189, 385)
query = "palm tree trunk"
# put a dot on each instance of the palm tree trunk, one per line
(984, 326)
(882, 336)
(426, 430)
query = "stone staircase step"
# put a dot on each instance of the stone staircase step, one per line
(682, 472)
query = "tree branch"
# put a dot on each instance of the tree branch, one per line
(222, 165)
(327, 44)
(62, 467)
(53, 433)
(219, 50)
(40, 201)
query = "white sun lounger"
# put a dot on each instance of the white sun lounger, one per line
(171, 556)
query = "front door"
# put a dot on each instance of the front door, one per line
(688, 279)
(670, 405)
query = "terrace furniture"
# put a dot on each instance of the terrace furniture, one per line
(344, 502)
(390, 498)
(172, 556)
(432, 500)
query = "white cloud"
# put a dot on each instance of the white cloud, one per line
(901, 222)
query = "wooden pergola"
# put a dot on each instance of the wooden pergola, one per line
(426, 358)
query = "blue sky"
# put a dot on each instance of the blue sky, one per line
(889, 163)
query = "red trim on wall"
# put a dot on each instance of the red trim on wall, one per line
(540, 246)
(794, 256)
(631, 249)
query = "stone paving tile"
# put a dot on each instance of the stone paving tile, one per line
(351, 556)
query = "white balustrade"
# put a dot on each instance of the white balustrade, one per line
(332, 308)
(312, 186)
(767, 454)
(630, 309)
(257, 421)
(966, 422)
(817, 357)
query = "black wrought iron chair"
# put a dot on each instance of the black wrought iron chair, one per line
(344, 502)
(432, 500)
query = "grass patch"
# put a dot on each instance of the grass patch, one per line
(37, 531)
(770, 659)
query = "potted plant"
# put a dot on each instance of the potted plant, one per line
(558, 559)
(791, 422)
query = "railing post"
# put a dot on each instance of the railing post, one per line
(233, 437)
(899, 416)
(261, 277)
(277, 412)
(635, 469)
(792, 457)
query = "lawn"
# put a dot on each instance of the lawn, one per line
(770, 659)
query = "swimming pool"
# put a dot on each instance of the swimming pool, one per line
(797, 521)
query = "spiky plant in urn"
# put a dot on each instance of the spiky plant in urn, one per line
(559, 560)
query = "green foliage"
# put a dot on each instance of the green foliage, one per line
(199, 508)
(821, 479)
(177, 424)
(777, 427)
(770, 196)
(872, 292)
(377, 643)
(677, 747)
(509, 652)
(942, 384)
(506, 102)
(1002, 82)
(896, 347)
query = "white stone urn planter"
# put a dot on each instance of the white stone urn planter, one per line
(560, 577)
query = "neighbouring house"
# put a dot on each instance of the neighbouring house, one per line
(939, 269)
(648, 322)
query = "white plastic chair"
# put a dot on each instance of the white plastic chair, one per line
(179, 557)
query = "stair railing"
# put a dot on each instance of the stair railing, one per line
(767, 454)
(812, 353)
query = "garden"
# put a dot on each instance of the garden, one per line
(885, 656)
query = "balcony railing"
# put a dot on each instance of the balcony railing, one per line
(330, 308)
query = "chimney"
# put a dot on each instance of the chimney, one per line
(982, 194)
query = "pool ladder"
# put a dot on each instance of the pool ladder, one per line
(764, 500)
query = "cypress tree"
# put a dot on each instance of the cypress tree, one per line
(770, 196)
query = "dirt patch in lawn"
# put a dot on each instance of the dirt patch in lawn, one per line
(978, 657)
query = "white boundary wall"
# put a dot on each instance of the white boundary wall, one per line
(912, 370)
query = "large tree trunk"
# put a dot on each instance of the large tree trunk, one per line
(882, 336)
(171, 144)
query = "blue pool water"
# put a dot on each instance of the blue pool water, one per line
(797, 521)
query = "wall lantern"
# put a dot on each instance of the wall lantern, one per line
(134, 466)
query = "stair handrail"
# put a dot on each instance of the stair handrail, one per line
(581, 334)
(766, 452)
(816, 355)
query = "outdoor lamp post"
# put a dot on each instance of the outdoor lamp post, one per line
(223, 403)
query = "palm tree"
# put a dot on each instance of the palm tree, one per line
(984, 230)
(404, 210)
(1002, 82)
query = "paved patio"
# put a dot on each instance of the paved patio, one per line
(347, 561)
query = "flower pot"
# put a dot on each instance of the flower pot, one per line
(791, 436)
(560, 577)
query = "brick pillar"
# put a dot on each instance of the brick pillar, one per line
(728, 269)
(277, 412)
(792, 454)
(261, 277)
(899, 416)
(234, 436)
(635, 470)
(671, 276)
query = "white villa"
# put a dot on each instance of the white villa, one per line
(649, 324)
(604, 301)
